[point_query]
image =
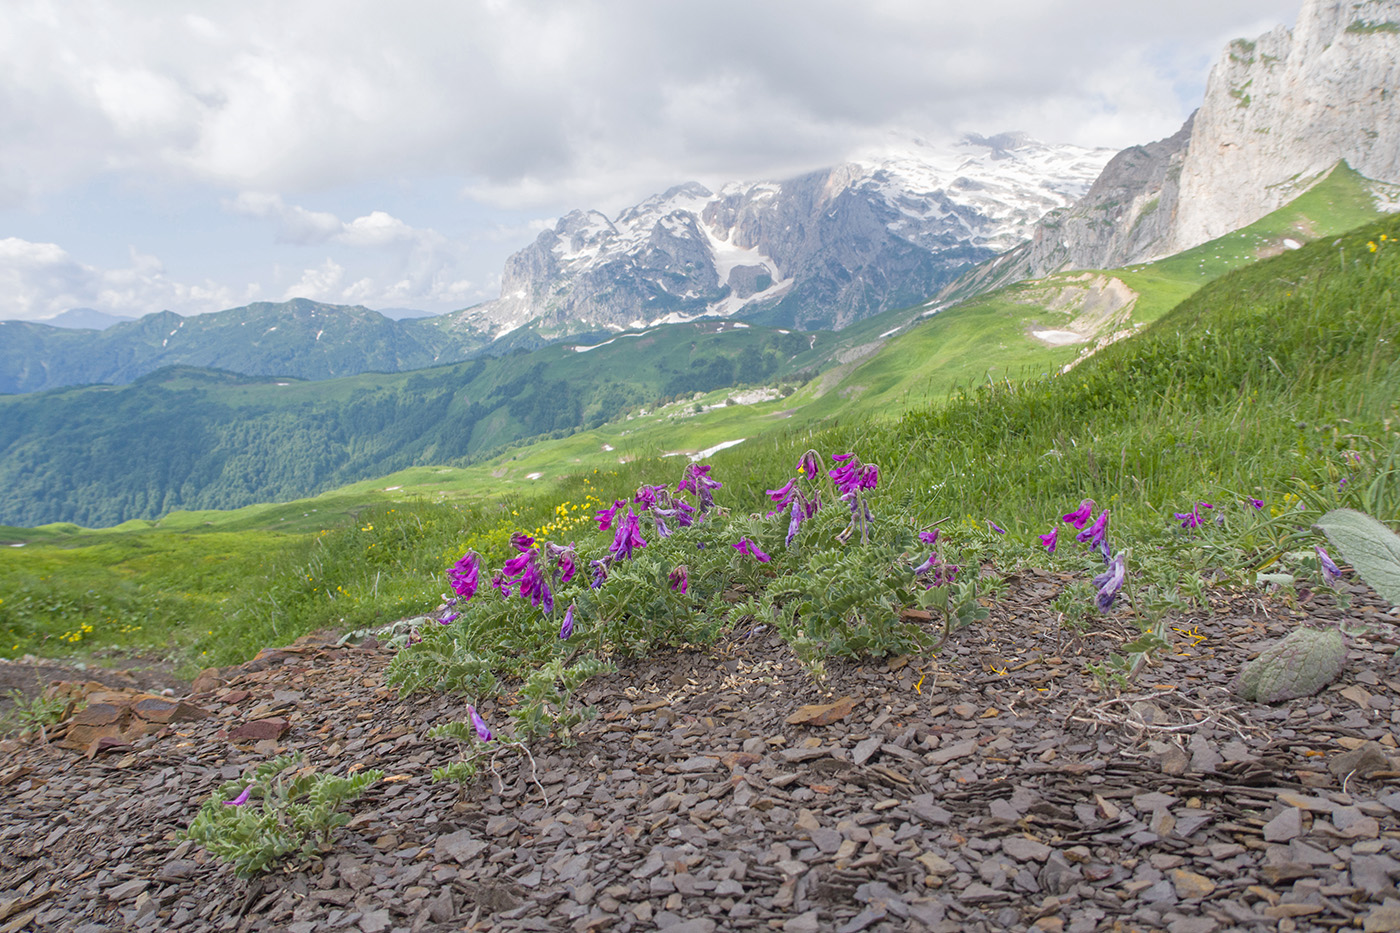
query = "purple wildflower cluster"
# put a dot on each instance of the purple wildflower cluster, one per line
(851, 478)
(1094, 532)
(536, 571)
(525, 573)
(935, 570)
(1193, 519)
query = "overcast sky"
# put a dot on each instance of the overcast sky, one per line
(195, 157)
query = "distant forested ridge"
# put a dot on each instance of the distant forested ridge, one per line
(189, 438)
(299, 338)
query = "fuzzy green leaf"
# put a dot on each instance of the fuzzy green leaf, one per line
(1370, 547)
(1298, 666)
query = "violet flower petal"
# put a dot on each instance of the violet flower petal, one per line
(241, 799)
(483, 732)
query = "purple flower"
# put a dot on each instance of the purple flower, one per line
(564, 562)
(600, 573)
(679, 579)
(535, 588)
(648, 496)
(697, 481)
(1192, 519)
(1257, 503)
(517, 564)
(795, 519)
(1094, 533)
(447, 618)
(567, 628)
(605, 516)
(929, 537)
(811, 464)
(483, 731)
(465, 575)
(500, 583)
(995, 527)
(783, 494)
(1111, 581)
(1331, 573)
(628, 537)
(941, 573)
(1051, 539)
(521, 543)
(745, 546)
(1081, 516)
(241, 799)
(1105, 551)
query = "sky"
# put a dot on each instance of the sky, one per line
(200, 156)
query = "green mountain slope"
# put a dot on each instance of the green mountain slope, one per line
(193, 438)
(1015, 332)
(298, 338)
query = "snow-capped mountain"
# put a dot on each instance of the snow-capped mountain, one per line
(822, 250)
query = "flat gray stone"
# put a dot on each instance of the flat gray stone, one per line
(866, 749)
(460, 846)
(942, 756)
(1025, 850)
(1285, 827)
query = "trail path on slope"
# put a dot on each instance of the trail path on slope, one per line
(991, 788)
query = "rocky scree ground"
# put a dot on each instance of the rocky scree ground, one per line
(991, 788)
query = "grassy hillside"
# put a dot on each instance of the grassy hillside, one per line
(1277, 381)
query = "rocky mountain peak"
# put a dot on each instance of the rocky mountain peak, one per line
(825, 249)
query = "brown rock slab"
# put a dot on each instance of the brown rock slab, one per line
(1190, 885)
(823, 714)
(162, 710)
(208, 680)
(260, 730)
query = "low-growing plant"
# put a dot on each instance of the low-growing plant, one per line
(478, 746)
(957, 603)
(547, 699)
(280, 810)
(27, 713)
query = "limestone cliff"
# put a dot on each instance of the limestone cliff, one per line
(1278, 114)
(1282, 110)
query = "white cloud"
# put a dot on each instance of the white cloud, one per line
(550, 101)
(411, 266)
(40, 280)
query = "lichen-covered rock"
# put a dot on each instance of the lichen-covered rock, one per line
(1299, 666)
